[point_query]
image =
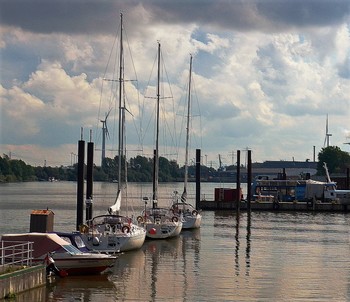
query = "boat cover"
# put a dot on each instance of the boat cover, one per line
(42, 242)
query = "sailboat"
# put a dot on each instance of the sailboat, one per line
(113, 233)
(191, 217)
(160, 223)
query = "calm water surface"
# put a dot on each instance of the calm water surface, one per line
(262, 257)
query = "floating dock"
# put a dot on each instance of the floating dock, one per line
(295, 206)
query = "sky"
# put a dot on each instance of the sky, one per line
(266, 74)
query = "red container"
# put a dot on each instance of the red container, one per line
(227, 195)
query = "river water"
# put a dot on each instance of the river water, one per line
(265, 256)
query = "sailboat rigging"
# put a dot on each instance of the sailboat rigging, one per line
(160, 223)
(112, 232)
(191, 217)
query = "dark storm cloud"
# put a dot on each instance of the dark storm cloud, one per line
(79, 16)
(305, 12)
(66, 16)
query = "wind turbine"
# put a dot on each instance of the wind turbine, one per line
(105, 133)
(326, 139)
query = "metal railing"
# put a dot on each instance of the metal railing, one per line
(16, 253)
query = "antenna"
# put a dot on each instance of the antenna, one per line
(326, 139)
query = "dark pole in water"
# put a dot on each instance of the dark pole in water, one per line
(249, 180)
(198, 178)
(154, 198)
(89, 178)
(238, 197)
(80, 184)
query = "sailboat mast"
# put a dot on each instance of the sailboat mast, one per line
(184, 195)
(156, 157)
(121, 115)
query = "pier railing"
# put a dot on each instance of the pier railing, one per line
(18, 253)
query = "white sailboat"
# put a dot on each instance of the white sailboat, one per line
(113, 233)
(191, 217)
(160, 223)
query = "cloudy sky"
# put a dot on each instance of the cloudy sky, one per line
(266, 75)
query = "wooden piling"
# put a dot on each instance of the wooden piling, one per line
(89, 179)
(198, 178)
(80, 182)
(249, 180)
(238, 180)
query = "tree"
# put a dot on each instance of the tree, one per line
(337, 160)
(110, 167)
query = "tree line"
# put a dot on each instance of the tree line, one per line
(140, 169)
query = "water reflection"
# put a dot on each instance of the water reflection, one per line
(232, 226)
(79, 288)
(36, 294)
(247, 261)
(237, 246)
(278, 256)
(161, 269)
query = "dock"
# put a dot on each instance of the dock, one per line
(17, 272)
(284, 206)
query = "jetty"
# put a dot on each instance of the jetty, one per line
(17, 272)
(270, 205)
(266, 193)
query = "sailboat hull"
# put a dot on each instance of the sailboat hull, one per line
(191, 218)
(163, 230)
(192, 222)
(112, 234)
(112, 244)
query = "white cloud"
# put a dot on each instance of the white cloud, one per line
(268, 91)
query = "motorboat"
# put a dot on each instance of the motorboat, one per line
(66, 256)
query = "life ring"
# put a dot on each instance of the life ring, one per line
(84, 229)
(139, 219)
(174, 219)
(125, 229)
(194, 212)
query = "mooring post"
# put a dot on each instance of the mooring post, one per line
(80, 182)
(249, 180)
(155, 181)
(238, 186)
(198, 178)
(89, 178)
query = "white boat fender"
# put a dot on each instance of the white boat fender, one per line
(95, 241)
(125, 229)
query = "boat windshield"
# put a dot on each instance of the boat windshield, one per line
(79, 242)
(71, 249)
